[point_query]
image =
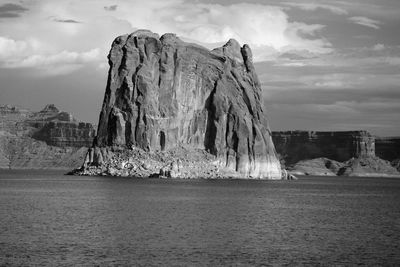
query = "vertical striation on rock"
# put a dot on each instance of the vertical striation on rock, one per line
(59, 128)
(163, 93)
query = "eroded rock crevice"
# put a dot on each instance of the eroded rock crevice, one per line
(163, 94)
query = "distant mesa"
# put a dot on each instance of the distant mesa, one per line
(48, 139)
(59, 128)
(348, 153)
(175, 109)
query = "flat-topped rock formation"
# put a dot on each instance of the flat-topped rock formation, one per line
(58, 128)
(294, 146)
(164, 94)
(48, 139)
(351, 153)
(72, 134)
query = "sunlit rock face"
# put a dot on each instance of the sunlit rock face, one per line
(163, 93)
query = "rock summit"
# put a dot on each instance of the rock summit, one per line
(164, 95)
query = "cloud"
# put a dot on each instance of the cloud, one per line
(267, 29)
(316, 6)
(10, 10)
(61, 58)
(367, 22)
(10, 48)
(383, 9)
(66, 21)
(28, 54)
(378, 47)
(331, 84)
(315, 65)
(111, 8)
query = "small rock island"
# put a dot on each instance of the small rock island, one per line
(176, 109)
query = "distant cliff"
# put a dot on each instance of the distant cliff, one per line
(49, 139)
(164, 94)
(352, 153)
(294, 146)
(388, 147)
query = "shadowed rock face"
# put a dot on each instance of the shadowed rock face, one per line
(350, 153)
(388, 147)
(294, 146)
(163, 93)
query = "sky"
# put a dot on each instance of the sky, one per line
(328, 65)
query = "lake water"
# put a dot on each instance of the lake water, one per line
(47, 218)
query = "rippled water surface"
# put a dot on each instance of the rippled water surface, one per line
(50, 219)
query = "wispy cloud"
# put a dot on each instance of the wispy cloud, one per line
(66, 21)
(378, 47)
(61, 58)
(314, 6)
(367, 22)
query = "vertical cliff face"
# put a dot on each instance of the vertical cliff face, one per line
(350, 153)
(164, 93)
(66, 134)
(388, 148)
(48, 139)
(294, 146)
(59, 128)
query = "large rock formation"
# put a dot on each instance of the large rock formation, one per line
(163, 93)
(350, 153)
(48, 139)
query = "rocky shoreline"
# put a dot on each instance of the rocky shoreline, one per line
(179, 162)
(360, 167)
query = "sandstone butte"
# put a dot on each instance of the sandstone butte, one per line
(177, 109)
(48, 139)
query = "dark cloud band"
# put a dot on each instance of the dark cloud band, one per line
(67, 21)
(110, 8)
(11, 10)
